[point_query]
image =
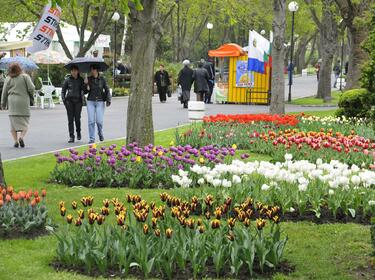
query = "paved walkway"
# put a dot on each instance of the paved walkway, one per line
(48, 129)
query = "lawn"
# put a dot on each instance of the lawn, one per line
(328, 251)
(313, 101)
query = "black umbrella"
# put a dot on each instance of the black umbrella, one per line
(84, 64)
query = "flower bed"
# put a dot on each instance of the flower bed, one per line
(289, 120)
(309, 139)
(132, 166)
(141, 238)
(22, 214)
(299, 187)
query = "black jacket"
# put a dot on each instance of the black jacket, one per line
(162, 79)
(201, 78)
(185, 78)
(73, 89)
(99, 90)
(210, 69)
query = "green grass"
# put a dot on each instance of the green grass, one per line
(312, 100)
(324, 113)
(330, 251)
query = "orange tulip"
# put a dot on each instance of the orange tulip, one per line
(8, 198)
(15, 197)
(33, 203)
(44, 193)
(36, 194)
(1, 203)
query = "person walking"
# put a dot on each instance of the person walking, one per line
(162, 83)
(2, 80)
(17, 95)
(210, 67)
(317, 69)
(98, 97)
(185, 80)
(201, 78)
(72, 94)
(337, 71)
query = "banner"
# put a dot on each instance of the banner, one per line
(243, 78)
(45, 30)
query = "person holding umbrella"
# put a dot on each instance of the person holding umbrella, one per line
(98, 97)
(72, 94)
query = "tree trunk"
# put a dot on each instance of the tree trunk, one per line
(278, 54)
(301, 53)
(312, 51)
(146, 32)
(329, 44)
(2, 179)
(352, 13)
(357, 56)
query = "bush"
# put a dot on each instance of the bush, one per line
(356, 103)
(121, 92)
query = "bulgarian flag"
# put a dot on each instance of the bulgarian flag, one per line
(258, 51)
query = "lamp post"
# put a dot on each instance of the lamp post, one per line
(293, 7)
(209, 27)
(115, 19)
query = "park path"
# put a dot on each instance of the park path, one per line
(48, 130)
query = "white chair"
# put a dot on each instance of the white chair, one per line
(58, 94)
(47, 91)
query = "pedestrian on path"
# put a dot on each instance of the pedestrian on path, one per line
(210, 67)
(72, 94)
(162, 83)
(337, 71)
(17, 96)
(98, 97)
(185, 80)
(317, 69)
(201, 78)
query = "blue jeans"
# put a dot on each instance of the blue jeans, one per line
(95, 112)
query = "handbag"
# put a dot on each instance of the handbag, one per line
(179, 93)
(31, 96)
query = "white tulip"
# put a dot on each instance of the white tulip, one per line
(265, 187)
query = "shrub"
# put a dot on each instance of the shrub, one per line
(356, 103)
(121, 92)
(21, 212)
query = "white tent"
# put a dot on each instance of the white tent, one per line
(22, 30)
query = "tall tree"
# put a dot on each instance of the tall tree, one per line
(278, 54)
(328, 30)
(92, 15)
(352, 12)
(146, 32)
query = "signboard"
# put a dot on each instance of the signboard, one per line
(45, 30)
(243, 77)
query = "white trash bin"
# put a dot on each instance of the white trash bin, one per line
(196, 110)
(304, 72)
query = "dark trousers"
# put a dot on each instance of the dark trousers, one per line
(74, 109)
(162, 93)
(208, 95)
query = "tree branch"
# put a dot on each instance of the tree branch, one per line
(314, 15)
(167, 16)
(75, 19)
(86, 10)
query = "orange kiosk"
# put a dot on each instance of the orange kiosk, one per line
(236, 84)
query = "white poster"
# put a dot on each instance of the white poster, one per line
(45, 30)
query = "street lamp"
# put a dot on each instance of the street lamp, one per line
(115, 19)
(293, 7)
(209, 27)
(342, 53)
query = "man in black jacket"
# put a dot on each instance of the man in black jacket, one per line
(210, 67)
(98, 97)
(185, 80)
(162, 82)
(72, 94)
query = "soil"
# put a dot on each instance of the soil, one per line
(284, 268)
(326, 216)
(366, 272)
(16, 234)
